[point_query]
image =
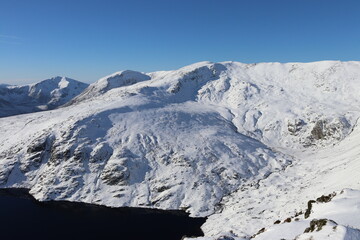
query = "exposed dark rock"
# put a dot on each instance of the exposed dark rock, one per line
(57, 155)
(322, 199)
(101, 153)
(325, 199)
(114, 174)
(308, 210)
(324, 129)
(81, 154)
(316, 225)
(295, 126)
(319, 132)
(298, 214)
(259, 232)
(162, 188)
(37, 146)
(176, 88)
(287, 220)
(37, 152)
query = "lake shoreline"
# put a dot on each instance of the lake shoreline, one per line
(77, 218)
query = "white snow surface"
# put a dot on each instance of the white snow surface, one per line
(44, 95)
(244, 144)
(341, 215)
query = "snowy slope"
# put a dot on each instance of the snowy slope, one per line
(314, 173)
(246, 144)
(115, 80)
(336, 218)
(47, 94)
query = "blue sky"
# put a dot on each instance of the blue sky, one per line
(88, 39)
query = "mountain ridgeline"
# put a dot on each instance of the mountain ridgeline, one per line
(45, 95)
(194, 139)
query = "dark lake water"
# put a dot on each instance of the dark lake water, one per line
(22, 217)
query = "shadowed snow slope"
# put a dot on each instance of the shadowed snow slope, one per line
(245, 144)
(45, 95)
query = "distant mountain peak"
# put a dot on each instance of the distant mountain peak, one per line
(44, 95)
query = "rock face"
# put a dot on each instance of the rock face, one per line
(324, 129)
(45, 95)
(145, 165)
(197, 138)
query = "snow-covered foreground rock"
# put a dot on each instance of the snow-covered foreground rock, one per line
(334, 216)
(45, 95)
(245, 144)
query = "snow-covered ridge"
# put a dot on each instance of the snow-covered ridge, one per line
(228, 140)
(115, 80)
(304, 102)
(45, 95)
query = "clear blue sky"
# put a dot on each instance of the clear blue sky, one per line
(88, 39)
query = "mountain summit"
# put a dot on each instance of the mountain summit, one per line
(116, 80)
(45, 95)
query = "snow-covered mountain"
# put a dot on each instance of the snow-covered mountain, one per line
(45, 95)
(245, 144)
